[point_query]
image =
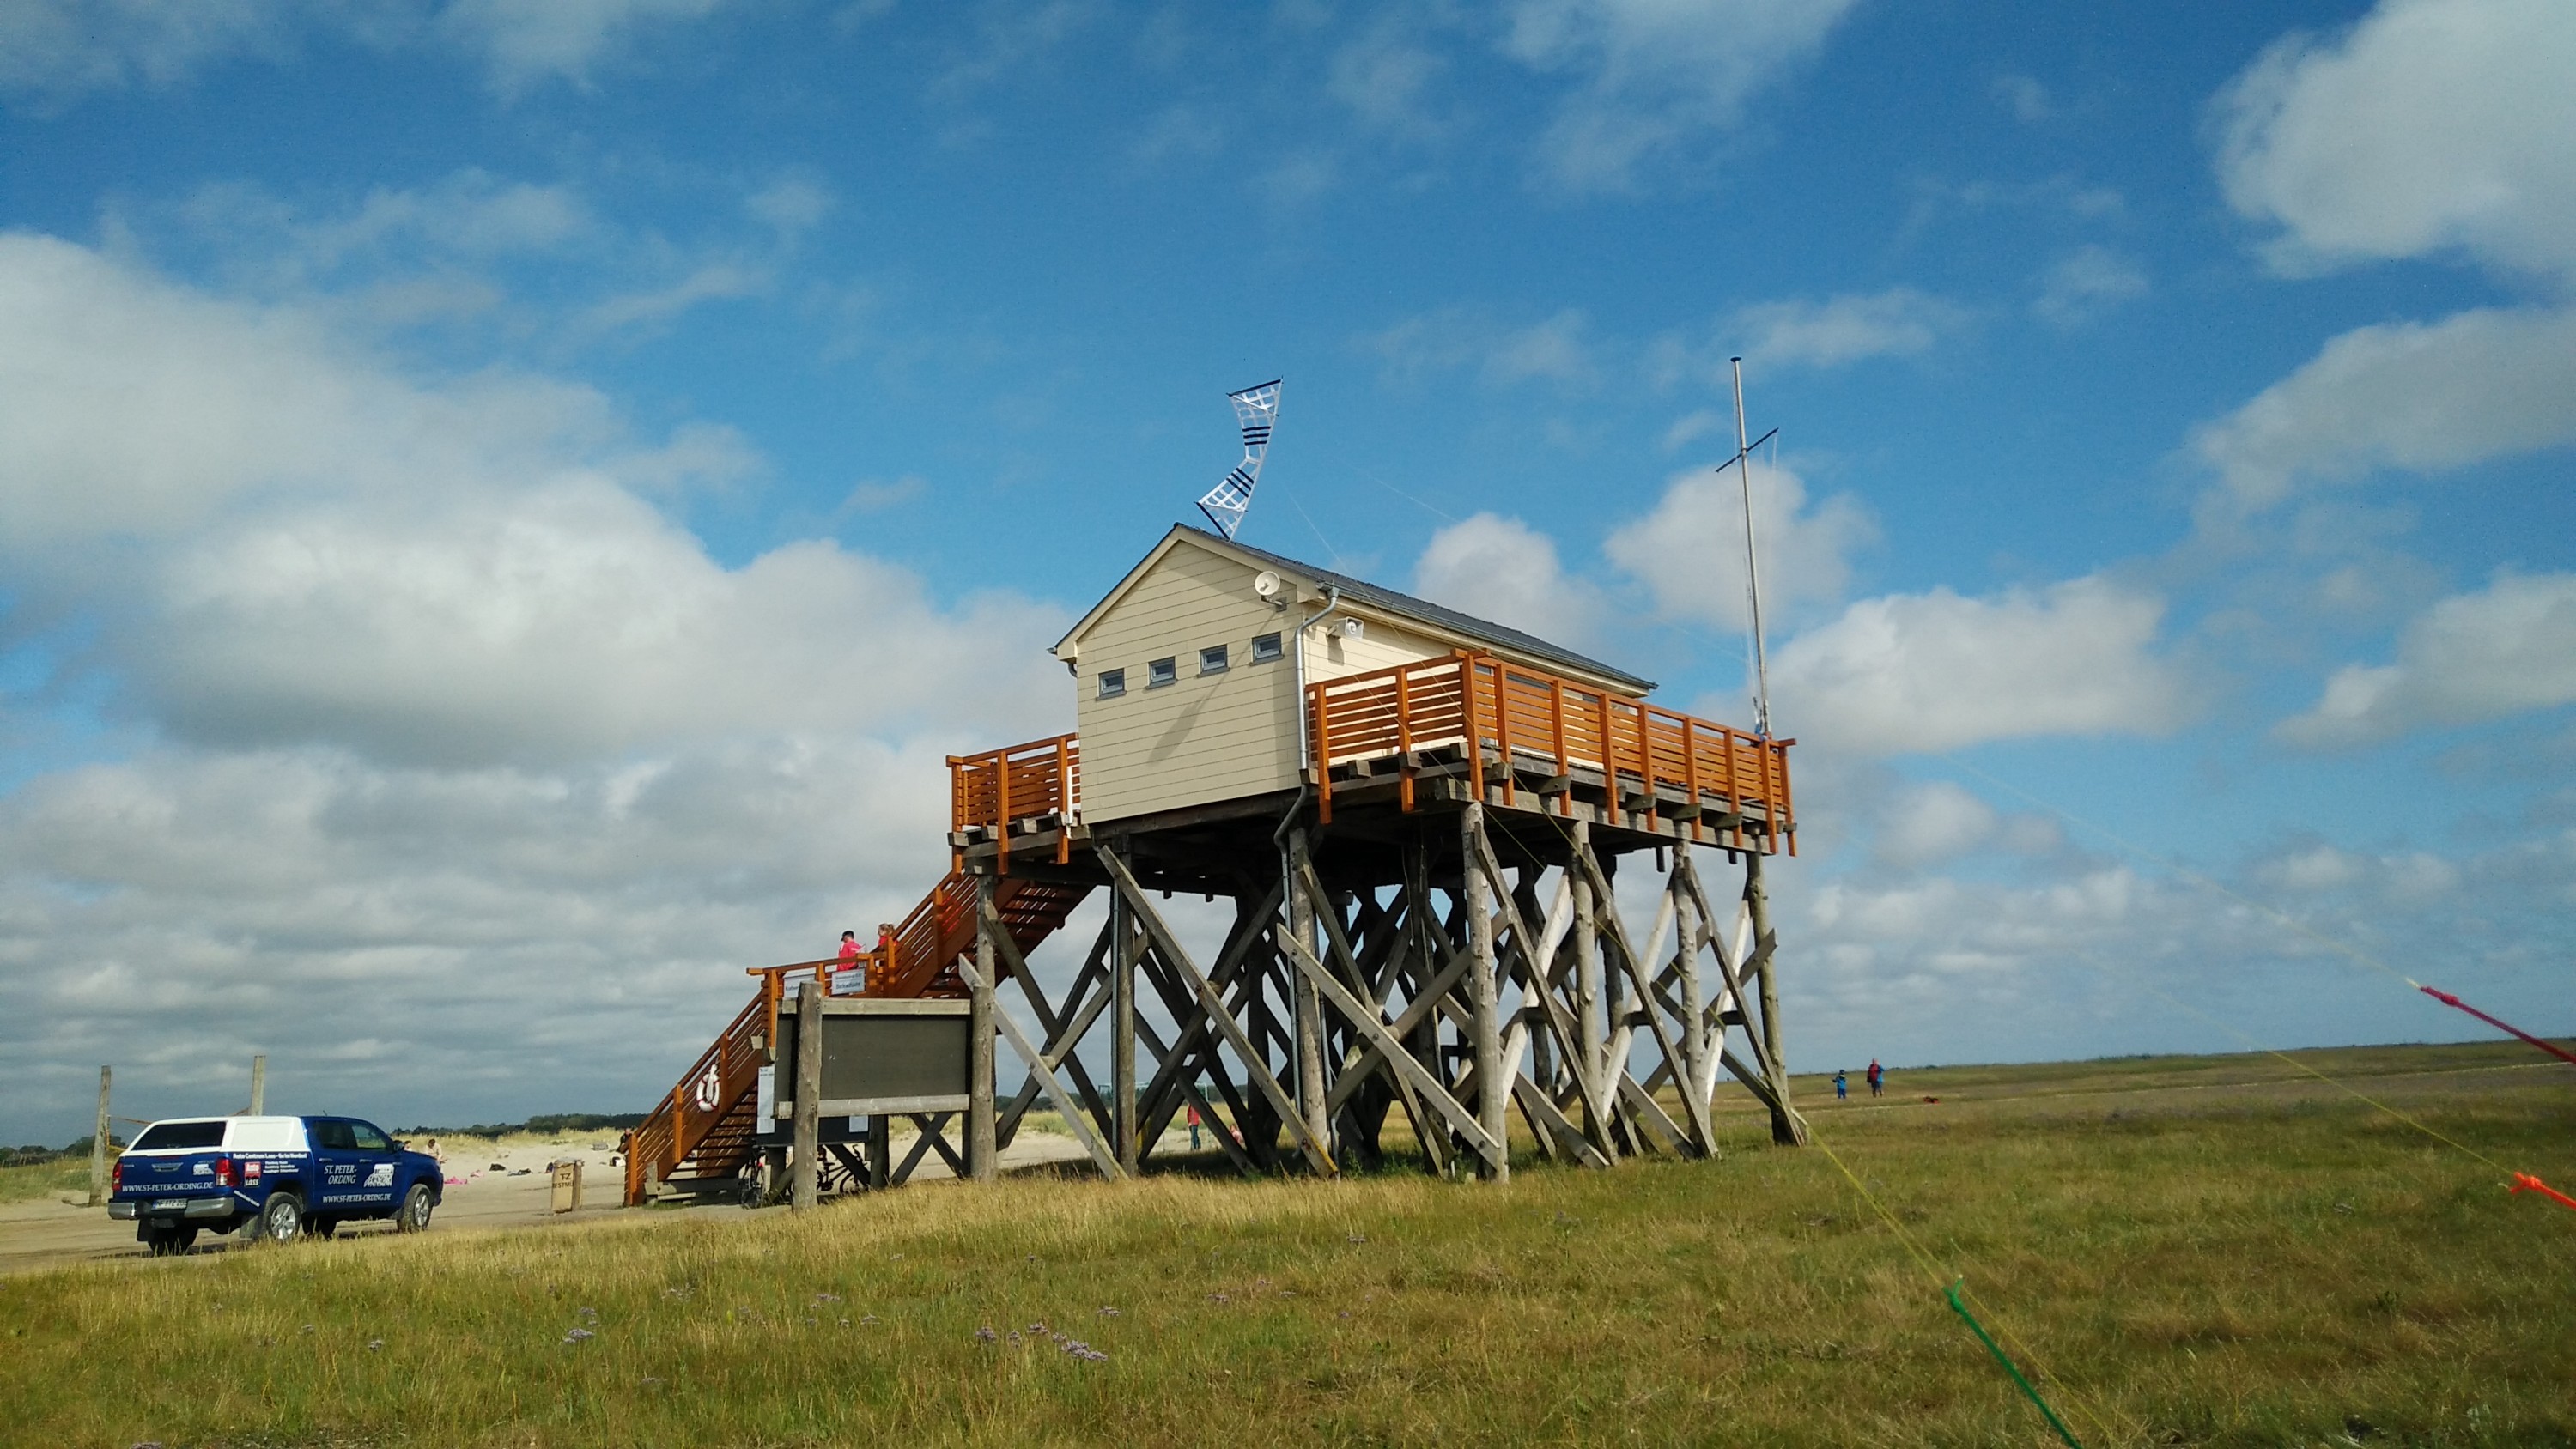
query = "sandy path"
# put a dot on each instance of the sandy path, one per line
(39, 1235)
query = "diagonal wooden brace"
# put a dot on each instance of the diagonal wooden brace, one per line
(1316, 1154)
(1074, 1118)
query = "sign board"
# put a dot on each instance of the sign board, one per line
(885, 1057)
(567, 1184)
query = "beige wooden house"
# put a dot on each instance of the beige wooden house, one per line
(1190, 670)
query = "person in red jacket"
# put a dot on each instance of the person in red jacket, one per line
(1877, 1078)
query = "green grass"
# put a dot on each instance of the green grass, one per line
(37, 1181)
(2187, 1250)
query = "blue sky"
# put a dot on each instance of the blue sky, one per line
(504, 507)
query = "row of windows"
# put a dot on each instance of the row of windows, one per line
(1214, 659)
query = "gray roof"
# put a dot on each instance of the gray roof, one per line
(1445, 619)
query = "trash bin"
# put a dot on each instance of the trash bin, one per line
(567, 1185)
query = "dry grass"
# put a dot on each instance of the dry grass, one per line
(2196, 1252)
(65, 1177)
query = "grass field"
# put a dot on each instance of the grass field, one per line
(44, 1179)
(2207, 1251)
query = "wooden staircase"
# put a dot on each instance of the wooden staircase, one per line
(708, 1125)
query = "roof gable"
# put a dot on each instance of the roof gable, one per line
(1436, 617)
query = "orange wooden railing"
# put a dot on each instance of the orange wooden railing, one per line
(1532, 718)
(1018, 782)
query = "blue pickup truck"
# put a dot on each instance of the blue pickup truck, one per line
(271, 1179)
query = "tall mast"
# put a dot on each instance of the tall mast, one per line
(1752, 562)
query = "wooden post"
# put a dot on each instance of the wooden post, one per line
(1542, 1053)
(1492, 1093)
(1587, 975)
(258, 1085)
(1786, 1129)
(1306, 1006)
(1122, 1033)
(98, 1144)
(1614, 984)
(806, 1172)
(1686, 967)
(981, 1153)
(880, 1150)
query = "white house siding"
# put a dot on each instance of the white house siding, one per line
(1220, 737)
(1381, 645)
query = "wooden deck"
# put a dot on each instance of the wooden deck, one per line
(1540, 743)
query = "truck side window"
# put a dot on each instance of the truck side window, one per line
(368, 1138)
(334, 1136)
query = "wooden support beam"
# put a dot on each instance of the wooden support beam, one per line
(1253, 1064)
(1305, 1007)
(1122, 1033)
(1075, 1120)
(1090, 994)
(1484, 1027)
(1703, 1133)
(807, 1173)
(1535, 986)
(1007, 957)
(1195, 1040)
(983, 1148)
(1432, 1091)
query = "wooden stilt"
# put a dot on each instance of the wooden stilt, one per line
(1485, 1024)
(1122, 1033)
(983, 1150)
(806, 1169)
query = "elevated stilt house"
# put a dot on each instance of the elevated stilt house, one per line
(1419, 817)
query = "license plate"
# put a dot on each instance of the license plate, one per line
(170, 1205)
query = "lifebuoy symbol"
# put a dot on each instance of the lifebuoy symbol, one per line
(709, 1087)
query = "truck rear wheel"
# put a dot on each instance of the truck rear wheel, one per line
(413, 1216)
(280, 1220)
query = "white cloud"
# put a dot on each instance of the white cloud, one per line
(1899, 322)
(454, 745)
(137, 408)
(2087, 283)
(710, 282)
(2432, 126)
(513, 940)
(2429, 125)
(1502, 569)
(1689, 551)
(277, 540)
(1383, 76)
(2422, 396)
(525, 41)
(1650, 76)
(1914, 673)
(1459, 338)
(2504, 650)
(2025, 97)
(1931, 823)
(59, 49)
(791, 205)
(469, 216)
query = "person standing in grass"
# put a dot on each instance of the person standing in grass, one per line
(1842, 1087)
(1877, 1078)
(1194, 1128)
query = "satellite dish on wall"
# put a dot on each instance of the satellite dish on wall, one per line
(1266, 583)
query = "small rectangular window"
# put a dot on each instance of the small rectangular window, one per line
(1212, 659)
(1113, 683)
(1166, 670)
(1265, 649)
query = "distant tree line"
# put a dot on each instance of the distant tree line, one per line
(545, 1124)
(38, 1156)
